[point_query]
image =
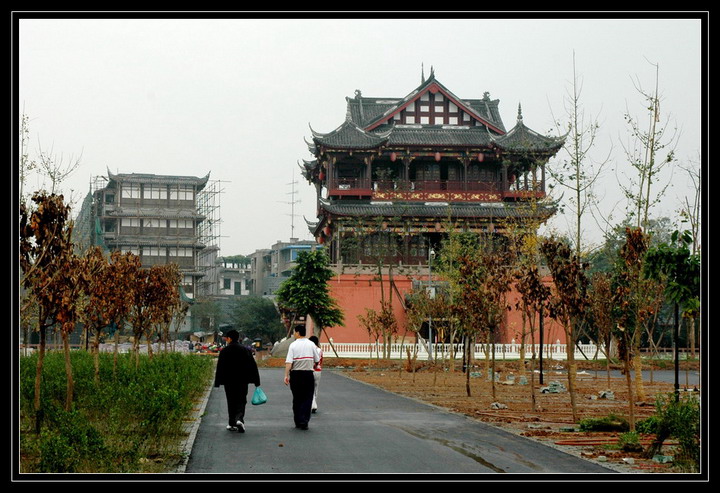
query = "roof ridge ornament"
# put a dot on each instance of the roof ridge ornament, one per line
(519, 117)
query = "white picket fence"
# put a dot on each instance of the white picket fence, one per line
(502, 351)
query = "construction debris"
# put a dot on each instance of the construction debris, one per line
(553, 387)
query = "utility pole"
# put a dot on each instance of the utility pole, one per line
(293, 192)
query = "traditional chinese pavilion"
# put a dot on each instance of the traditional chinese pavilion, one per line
(398, 170)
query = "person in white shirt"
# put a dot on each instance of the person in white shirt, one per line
(317, 373)
(301, 358)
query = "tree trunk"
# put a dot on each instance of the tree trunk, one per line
(69, 389)
(631, 400)
(639, 387)
(148, 339)
(468, 358)
(570, 345)
(492, 366)
(329, 341)
(96, 356)
(608, 350)
(38, 375)
(115, 353)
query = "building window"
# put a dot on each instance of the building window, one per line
(181, 224)
(153, 251)
(410, 119)
(227, 283)
(182, 192)
(155, 192)
(439, 120)
(424, 120)
(129, 222)
(181, 252)
(134, 251)
(130, 191)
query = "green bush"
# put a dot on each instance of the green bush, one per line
(133, 411)
(648, 426)
(680, 420)
(630, 442)
(607, 423)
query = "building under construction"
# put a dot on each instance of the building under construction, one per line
(162, 219)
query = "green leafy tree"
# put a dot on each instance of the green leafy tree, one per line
(208, 312)
(306, 293)
(257, 317)
(680, 270)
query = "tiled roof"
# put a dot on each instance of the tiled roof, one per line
(522, 139)
(438, 135)
(350, 136)
(180, 213)
(159, 179)
(488, 210)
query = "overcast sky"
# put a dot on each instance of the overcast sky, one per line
(235, 97)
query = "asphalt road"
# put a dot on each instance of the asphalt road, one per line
(362, 430)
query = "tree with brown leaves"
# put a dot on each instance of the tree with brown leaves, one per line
(45, 245)
(568, 301)
(631, 309)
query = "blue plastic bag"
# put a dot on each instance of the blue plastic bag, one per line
(258, 397)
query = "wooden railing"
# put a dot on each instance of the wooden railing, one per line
(348, 185)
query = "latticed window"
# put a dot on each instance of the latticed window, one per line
(182, 192)
(130, 191)
(153, 252)
(154, 192)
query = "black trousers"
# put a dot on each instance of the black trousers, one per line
(236, 395)
(302, 386)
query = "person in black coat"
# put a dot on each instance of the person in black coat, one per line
(236, 368)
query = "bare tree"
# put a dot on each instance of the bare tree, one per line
(579, 173)
(55, 168)
(27, 165)
(644, 154)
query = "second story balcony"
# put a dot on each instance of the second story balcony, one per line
(438, 190)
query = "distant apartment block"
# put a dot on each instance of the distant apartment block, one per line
(269, 267)
(234, 276)
(162, 219)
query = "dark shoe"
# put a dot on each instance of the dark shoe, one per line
(314, 410)
(241, 427)
(303, 427)
(231, 428)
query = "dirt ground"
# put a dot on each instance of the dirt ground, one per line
(510, 406)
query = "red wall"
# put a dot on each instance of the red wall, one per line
(355, 293)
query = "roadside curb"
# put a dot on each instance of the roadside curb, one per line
(191, 426)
